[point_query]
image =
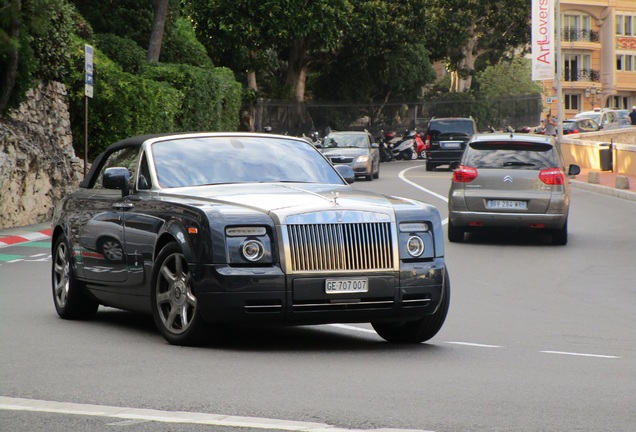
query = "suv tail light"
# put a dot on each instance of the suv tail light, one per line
(552, 176)
(464, 174)
(427, 142)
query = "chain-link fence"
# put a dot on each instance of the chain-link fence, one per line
(298, 118)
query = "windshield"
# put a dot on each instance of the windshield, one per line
(515, 155)
(216, 160)
(345, 141)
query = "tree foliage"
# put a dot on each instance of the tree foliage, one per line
(460, 31)
(507, 79)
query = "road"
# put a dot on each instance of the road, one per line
(538, 338)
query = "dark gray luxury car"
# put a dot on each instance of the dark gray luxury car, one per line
(206, 230)
(510, 181)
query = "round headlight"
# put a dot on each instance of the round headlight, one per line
(253, 250)
(415, 246)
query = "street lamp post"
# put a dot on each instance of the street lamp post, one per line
(593, 95)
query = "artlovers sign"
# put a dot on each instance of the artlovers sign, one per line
(543, 45)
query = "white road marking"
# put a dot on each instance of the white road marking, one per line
(135, 414)
(435, 194)
(474, 344)
(580, 354)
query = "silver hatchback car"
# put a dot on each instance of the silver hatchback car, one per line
(510, 181)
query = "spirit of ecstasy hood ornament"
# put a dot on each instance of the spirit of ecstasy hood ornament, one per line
(335, 197)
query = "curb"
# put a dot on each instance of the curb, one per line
(605, 190)
(24, 237)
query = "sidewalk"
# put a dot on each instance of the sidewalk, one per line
(606, 185)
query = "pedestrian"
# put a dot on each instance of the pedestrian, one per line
(632, 116)
(550, 125)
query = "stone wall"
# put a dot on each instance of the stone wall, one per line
(38, 165)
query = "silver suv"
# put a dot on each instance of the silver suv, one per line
(510, 181)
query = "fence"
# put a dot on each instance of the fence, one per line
(297, 118)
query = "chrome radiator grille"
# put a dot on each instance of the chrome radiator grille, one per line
(343, 246)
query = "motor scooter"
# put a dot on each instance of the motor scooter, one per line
(405, 149)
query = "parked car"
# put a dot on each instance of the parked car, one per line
(623, 118)
(606, 118)
(580, 125)
(510, 181)
(445, 140)
(356, 149)
(214, 229)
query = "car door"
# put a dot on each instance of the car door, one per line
(101, 237)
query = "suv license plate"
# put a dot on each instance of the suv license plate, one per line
(451, 144)
(348, 285)
(503, 204)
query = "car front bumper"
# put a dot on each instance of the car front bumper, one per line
(267, 295)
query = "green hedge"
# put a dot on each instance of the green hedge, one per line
(164, 98)
(122, 105)
(212, 98)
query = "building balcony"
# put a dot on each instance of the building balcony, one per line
(579, 35)
(584, 75)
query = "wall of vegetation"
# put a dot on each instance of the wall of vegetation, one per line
(182, 92)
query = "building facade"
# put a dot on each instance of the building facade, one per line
(598, 55)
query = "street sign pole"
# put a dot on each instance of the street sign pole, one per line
(88, 93)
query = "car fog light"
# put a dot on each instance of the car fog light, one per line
(253, 250)
(415, 246)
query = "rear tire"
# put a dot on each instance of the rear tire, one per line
(421, 330)
(560, 236)
(70, 297)
(429, 166)
(455, 233)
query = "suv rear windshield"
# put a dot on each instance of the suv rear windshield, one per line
(514, 155)
(451, 126)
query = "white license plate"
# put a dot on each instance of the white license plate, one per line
(451, 144)
(346, 285)
(504, 204)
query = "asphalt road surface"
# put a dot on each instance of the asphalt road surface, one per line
(538, 338)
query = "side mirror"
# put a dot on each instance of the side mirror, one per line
(574, 170)
(346, 172)
(117, 178)
(375, 145)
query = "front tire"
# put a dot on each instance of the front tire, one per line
(174, 303)
(420, 330)
(70, 297)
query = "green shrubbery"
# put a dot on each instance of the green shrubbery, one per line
(164, 98)
(131, 96)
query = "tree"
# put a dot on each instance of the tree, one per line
(35, 36)
(242, 35)
(507, 79)
(459, 31)
(382, 57)
(160, 8)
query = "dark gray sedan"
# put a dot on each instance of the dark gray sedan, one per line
(206, 230)
(510, 181)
